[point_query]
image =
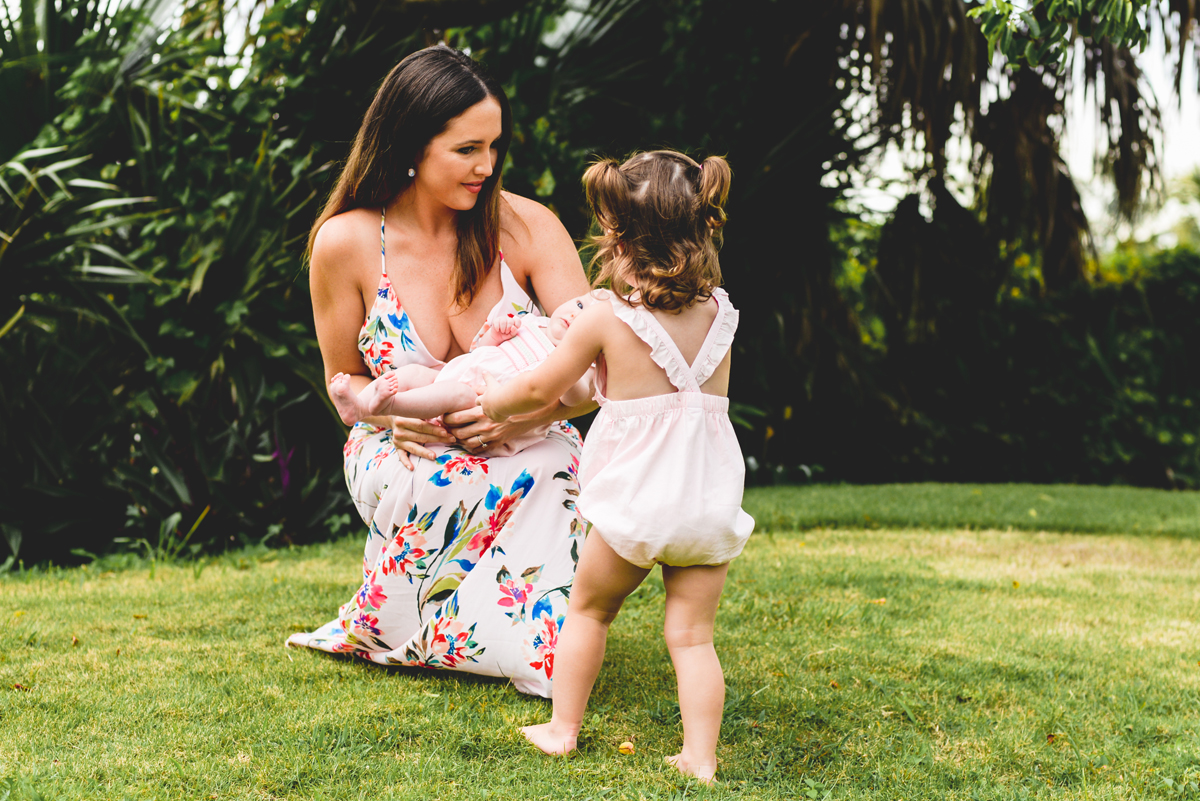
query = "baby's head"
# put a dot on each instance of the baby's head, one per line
(562, 317)
(661, 215)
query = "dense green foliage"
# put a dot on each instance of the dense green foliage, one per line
(1098, 383)
(1040, 33)
(159, 379)
(165, 359)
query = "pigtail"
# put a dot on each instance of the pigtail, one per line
(713, 191)
(608, 196)
(607, 193)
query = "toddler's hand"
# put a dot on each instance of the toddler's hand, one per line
(488, 396)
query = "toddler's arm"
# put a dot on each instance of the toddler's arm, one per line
(582, 390)
(500, 328)
(554, 378)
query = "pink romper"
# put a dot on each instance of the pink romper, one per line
(662, 476)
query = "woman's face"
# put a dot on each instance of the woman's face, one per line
(458, 160)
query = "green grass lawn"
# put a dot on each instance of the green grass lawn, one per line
(903, 661)
(1031, 507)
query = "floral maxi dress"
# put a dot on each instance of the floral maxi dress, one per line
(469, 559)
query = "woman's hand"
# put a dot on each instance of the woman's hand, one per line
(475, 432)
(409, 436)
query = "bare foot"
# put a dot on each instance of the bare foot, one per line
(704, 773)
(550, 739)
(344, 399)
(377, 397)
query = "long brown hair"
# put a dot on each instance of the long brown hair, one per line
(660, 215)
(415, 103)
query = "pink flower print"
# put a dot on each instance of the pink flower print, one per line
(366, 622)
(449, 645)
(383, 353)
(501, 516)
(370, 596)
(405, 551)
(540, 647)
(460, 468)
(514, 592)
(353, 446)
(381, 454)
(483, 539)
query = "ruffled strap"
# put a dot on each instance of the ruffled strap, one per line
(719, 339)
(663, 350)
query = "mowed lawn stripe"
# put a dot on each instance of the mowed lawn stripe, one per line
(1029, 507)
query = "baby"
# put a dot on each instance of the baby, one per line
(508, 345)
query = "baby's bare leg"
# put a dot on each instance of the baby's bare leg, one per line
(692, 597)
(441, 397)
(602, 581)
(374, 397)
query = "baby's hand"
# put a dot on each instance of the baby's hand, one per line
(506, 326)
(501, 329)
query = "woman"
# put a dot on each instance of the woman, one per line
(469, 557)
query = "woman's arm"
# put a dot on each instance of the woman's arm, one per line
(335, 282)
(337, 299)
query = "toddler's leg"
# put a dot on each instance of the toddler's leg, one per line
(602, 581)
(692, 596)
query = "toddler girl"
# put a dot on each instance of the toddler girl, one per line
(509, 344)
(661, 471)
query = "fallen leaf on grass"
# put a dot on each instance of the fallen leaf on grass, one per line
(625, 748)
(20, 687)
(139, 617)
(880, 601)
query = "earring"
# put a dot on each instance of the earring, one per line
(412, 173)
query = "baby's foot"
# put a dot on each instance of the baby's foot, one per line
(704, 773)
(344, 399)
(550, 739)
(377, 397)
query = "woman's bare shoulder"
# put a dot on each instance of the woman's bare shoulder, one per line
(527, 223)
(523, 209)
(346, 237)
(539, 251)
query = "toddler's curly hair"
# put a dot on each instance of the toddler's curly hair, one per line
(660, 215)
